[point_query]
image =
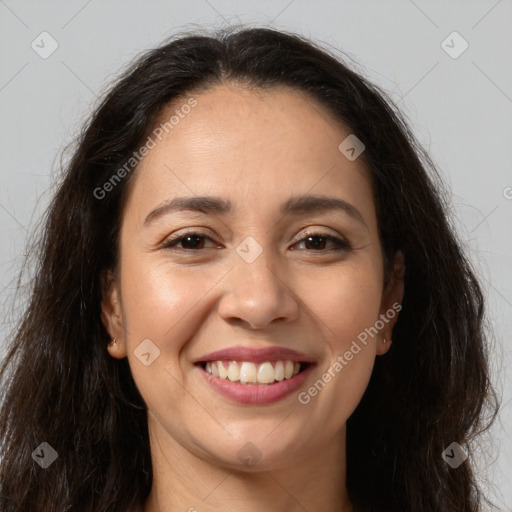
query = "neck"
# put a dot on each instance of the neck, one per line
(184, 481)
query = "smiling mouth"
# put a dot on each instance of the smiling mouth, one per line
(250, 373)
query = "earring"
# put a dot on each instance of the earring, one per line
(113, 342)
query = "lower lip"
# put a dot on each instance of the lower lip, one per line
(257, 394)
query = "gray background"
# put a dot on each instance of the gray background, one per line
(460, 109)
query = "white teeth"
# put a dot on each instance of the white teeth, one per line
(266, 374)
(223, 372)
(279, 371)
(233, 371)
(288, 369)
(247, 372)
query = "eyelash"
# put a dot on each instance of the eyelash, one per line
(342, 245)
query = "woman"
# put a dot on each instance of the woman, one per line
(249, 298)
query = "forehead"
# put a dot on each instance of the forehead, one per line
(251, 118)
(254, 144)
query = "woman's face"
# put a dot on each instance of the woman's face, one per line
(261, 269)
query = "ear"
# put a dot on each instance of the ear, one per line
(391, 303)
(111, 313)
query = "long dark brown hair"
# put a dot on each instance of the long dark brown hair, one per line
(60, 386)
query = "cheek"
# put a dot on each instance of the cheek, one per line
(162, 302)
(166, 305)
(346, 306)
(346, 301)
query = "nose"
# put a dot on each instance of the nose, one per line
(257, 295)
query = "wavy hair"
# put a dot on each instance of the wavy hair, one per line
(60, 386)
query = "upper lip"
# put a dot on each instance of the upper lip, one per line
(257, 355)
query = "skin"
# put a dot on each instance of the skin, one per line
(257, 149)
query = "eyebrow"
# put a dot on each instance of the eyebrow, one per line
(298, 205)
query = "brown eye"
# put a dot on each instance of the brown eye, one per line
(317, 242)
(190, 241)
